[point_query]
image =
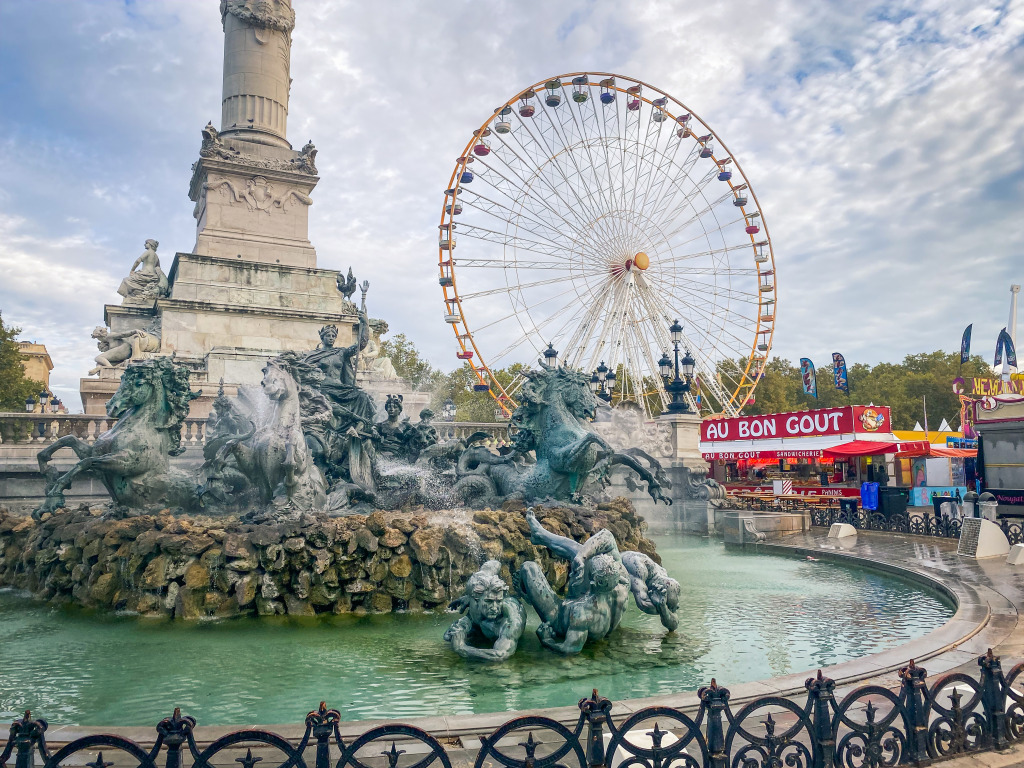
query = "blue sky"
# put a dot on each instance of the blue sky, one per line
(883, 139)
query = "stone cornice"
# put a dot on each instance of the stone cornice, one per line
(187, 305)
(147, 311)
(202, 168)
(235, 263)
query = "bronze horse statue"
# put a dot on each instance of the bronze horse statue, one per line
(553, 423)
(272, 454)
(132, 459)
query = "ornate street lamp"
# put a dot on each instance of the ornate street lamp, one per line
(55, 405)
(44, 397)
(679, 386)
(602, 382)
(30, 404)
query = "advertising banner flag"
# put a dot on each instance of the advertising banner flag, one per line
(839, 372)
(1005, 345)
(809, 377)
(965, 345)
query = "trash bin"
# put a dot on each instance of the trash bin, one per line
(989, 507)
(869, 496)
(893, 501)
(970, 504)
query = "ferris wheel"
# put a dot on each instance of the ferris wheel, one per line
(591, 211)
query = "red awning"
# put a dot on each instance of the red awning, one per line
(954, 453)
(861, 448)
(922, 448)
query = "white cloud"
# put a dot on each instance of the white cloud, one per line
(882, 141)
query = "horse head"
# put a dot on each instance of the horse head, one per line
(278, 382)
(157, 388)
(553, 404)
(574, 389)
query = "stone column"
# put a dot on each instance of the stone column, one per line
(685, 468)
(257, 63)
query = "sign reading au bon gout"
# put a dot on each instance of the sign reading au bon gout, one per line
(825, 421)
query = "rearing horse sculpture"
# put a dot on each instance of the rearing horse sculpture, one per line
(273, 454)
(132, 459)
(552, 422)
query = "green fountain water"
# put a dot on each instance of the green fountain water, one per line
(744, 616)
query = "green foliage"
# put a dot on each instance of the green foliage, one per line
(408, 362)
(471, 405)
(457, 385)
(14, 387)
(901, 386)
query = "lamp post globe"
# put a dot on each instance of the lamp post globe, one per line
(30, 404)
(551, 356)
(665, 365)
(677, 332)
(686, 365)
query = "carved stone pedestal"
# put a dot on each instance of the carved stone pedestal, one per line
(685, 437)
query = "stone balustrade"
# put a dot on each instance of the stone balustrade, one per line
(450, 430)
(42, 429)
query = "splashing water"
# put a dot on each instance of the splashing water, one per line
(433, 489)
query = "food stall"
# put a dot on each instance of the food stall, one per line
(934, 469)
(822, 452)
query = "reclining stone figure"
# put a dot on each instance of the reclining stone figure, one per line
(654, 591)
(488, 610)
(597, 591)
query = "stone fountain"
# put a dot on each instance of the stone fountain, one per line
(304, 503)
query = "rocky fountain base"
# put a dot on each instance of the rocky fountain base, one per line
(195, 567)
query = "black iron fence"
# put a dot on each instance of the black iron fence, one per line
(922, 524)
(870, 727)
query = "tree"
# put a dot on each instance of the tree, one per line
(14, 387)
(471, 405)
(901, 386)
(408, 362)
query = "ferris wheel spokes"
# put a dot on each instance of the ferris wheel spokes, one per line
(601, 224)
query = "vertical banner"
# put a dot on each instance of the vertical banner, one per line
(965, 345)
(839, 372)
(809, 377)
(1004, 345)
